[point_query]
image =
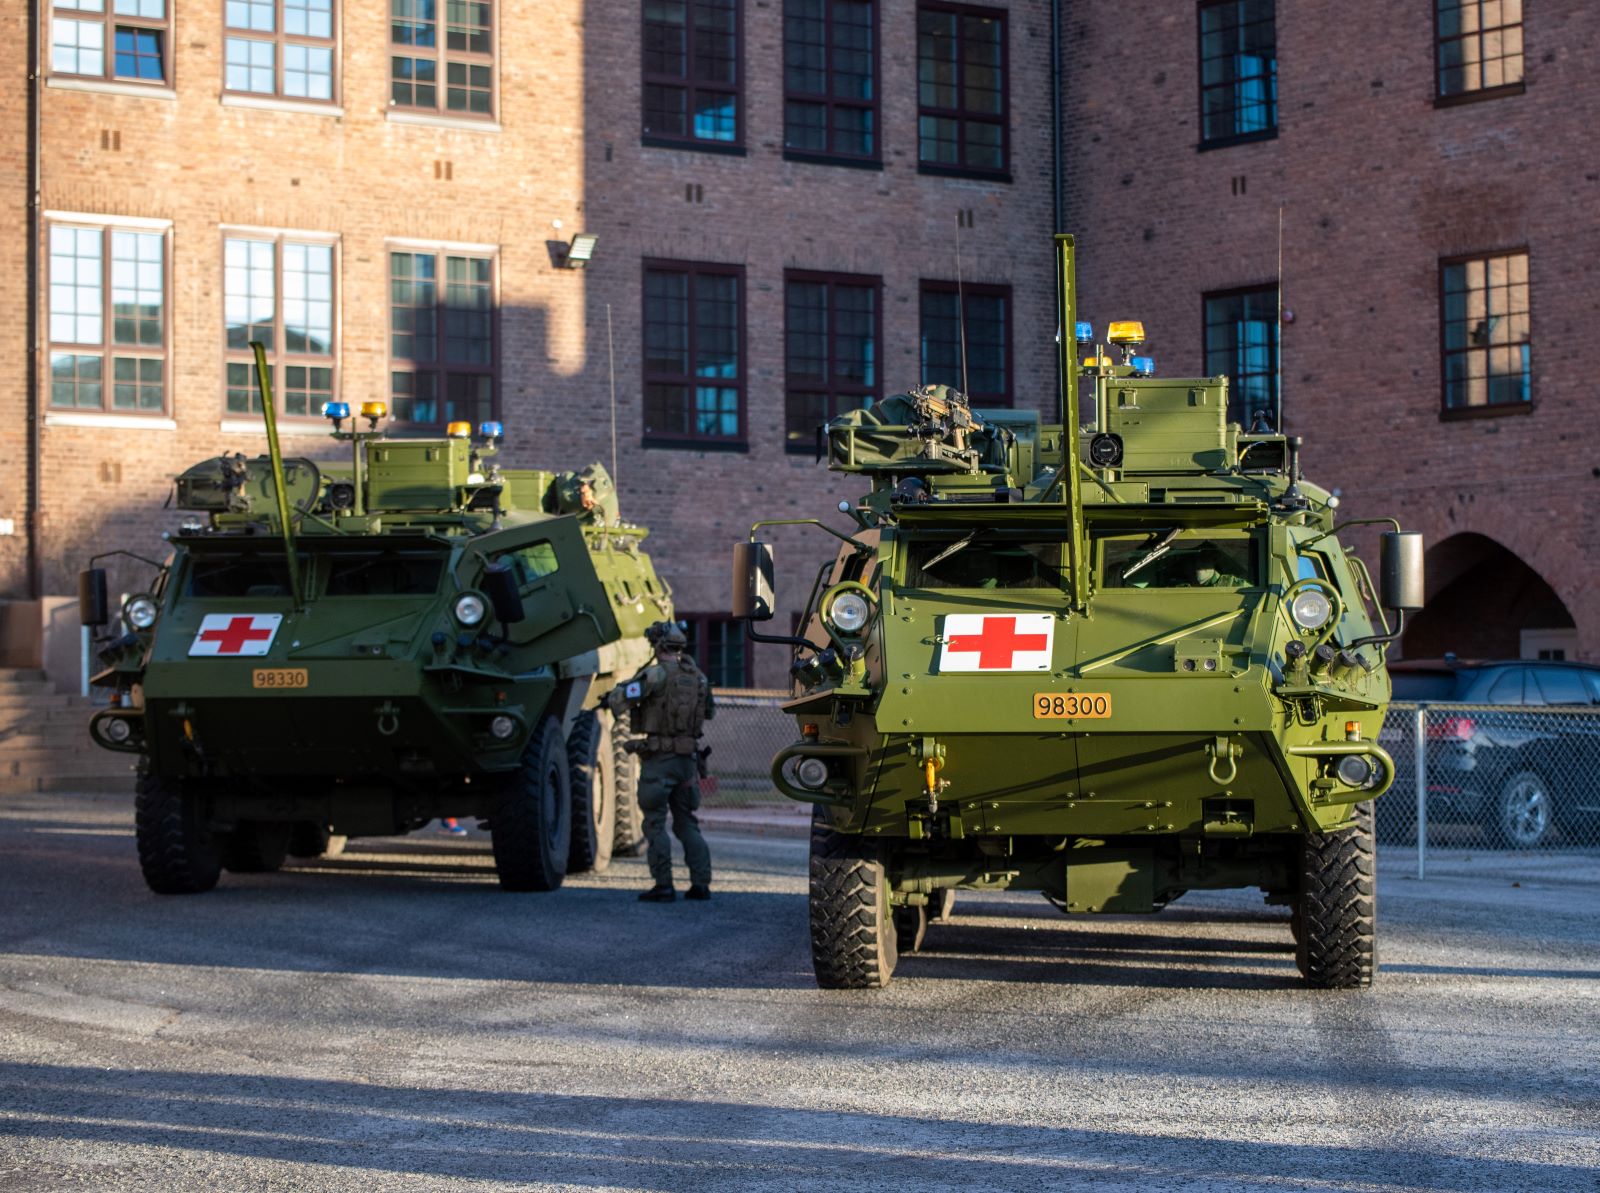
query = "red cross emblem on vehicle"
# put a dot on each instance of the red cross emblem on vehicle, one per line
(234, 634)
(997, 642)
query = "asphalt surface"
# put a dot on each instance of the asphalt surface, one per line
(391, 1019)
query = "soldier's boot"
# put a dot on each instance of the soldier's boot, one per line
(660, 894)
(698, 891)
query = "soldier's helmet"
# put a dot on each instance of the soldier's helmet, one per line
(666, 635)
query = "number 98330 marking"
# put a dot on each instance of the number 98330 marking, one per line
(1048, 706)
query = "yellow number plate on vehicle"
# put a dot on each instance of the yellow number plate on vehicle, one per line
(1052, 706)
(280, 677)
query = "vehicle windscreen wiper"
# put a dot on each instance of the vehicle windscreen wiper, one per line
(1154, 553)
(949, 551)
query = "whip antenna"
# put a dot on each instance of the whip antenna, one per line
(611, 354)
(1277, 338)
(961, 312)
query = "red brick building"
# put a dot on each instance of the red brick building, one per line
(389, 200)
(1434, 164)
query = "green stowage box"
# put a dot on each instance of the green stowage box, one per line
(408, 476)
(1172, 426)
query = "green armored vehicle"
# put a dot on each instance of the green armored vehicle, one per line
(1111, 665)
(433, 641)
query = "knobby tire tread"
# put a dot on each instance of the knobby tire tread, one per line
(628, 840)
(1337, 944)
(525, 855)
(176, 850)
(853, 940)
(591, 843)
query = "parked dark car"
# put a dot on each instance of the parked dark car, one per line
(1521, 776)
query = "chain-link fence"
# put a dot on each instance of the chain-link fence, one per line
(1492, 777)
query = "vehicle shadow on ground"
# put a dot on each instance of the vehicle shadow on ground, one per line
(525, 1138)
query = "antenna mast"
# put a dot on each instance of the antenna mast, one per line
(1277, 338)
(611, 354)
(961, 311)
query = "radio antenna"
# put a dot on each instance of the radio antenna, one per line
(611, 354)
(1277, 337)
(961, 312)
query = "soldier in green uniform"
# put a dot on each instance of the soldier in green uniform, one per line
(670, 701)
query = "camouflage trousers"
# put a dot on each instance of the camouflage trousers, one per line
(670, 783)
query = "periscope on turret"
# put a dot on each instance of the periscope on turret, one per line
(334, 650)
(1111, 659)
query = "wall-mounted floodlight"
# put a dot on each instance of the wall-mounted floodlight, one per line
(580, 251)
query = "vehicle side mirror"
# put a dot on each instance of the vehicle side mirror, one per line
(753, 599)
(499, 584)
(1401, 570)
(93, 607)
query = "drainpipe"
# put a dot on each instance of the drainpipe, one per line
(35, 81)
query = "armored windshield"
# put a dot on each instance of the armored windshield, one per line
(989, 563)
(1164, 560)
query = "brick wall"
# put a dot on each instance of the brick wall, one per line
(1376, 185)
(568, 158)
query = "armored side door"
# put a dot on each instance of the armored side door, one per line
(565, 610)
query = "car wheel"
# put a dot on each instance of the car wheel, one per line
(1524, 813)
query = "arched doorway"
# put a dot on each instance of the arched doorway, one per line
(1485, 603)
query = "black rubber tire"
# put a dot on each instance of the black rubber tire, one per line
(1337, 906)
(910, 926)
(531, 824)
(308, 839)
(854, 944)
(591, 770)
(1522, 814)
(177, 852)
(255, 847)
(628, 840)
(942, 905)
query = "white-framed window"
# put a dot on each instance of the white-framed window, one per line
(122, 40)
(282, 48)
(280, 288)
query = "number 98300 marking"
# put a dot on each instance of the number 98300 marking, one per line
(1062, 705)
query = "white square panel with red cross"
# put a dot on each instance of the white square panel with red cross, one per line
(997, 642)
(235, 634)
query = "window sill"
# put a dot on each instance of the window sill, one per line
(286, 426)
(832, 159)
(695, 445)
(434, 120)
(1270, 134)
(272, 103)
(933, 171)
(1503, 410)
(1483, 93)
(718, 147)
(111, 87)
(103, 418)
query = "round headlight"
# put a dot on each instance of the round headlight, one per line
(118, 730)
(1355, 770)
(470, 608)
(1311, 609)
(140, 611)
(850, 611)
(812, 773)
(502, 726)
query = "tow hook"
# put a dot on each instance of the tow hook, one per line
(1224, 752)
(931, 755)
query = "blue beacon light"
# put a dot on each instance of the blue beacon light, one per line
(1084, 332)
(492, 430)
(337, 411)
(1144, 366)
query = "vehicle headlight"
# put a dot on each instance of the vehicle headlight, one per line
(849, 612)
(1311, 609)
(812, 773)
(470, 608)
(1355, 770)
(141, 611)
(118, 730)
(502, 726)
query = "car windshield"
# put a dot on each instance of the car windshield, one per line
(1168, 560)
(964, 562)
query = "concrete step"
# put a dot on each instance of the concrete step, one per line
(21, 675)
(52, 715)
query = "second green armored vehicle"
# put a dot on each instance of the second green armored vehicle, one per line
(337, 651)
(1111, 662)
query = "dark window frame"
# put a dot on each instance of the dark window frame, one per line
(1449, 413)
(106, 348)
(1451, 99)
(696, 626)
(442, 366)
(834, 391)
(281, 40)
(1236, 411)
(1236, 138)
(739, 442)
(279, 358)
(962, 115)
(687, 82)
(110, 22)
(964, 291)
(829, 102)
(443, 58)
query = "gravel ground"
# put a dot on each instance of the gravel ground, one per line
(391, 1018)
